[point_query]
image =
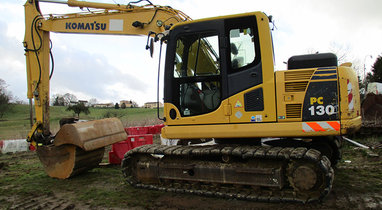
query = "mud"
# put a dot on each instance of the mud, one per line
(49, 201)
(349, 192)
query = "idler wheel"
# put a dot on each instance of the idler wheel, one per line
(304, 178)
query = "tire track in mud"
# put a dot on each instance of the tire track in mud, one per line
(49, 201)
(348, 200)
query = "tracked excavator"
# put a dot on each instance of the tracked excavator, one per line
(277, 134)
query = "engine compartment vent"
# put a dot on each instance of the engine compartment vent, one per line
(296, 86)
(293, 110)
(298, 75)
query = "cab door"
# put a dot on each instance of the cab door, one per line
(250, 72)
(194, 75)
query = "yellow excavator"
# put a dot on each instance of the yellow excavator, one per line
(276, 134)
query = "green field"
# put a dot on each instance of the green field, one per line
(15, 123)
(24, 184)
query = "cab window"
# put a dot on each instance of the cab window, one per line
(242, 44)
(197, 73)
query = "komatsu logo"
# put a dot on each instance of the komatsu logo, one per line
(85, 26)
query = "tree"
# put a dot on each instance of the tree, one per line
(5, 98)
(78, 108)
(68, 98)
(116, 106)
(58, 100)
(376, 71)
(134, 104)
(123, 106)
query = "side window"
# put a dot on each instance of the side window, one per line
(242, 43)
(196, 55)
(197, 73)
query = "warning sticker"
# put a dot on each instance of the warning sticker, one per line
(238, 104)
(238, 114)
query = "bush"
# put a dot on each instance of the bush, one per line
(78, 108)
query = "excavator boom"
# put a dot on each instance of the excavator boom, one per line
(79, 147)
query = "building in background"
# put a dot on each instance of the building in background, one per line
(128, 104)
(152, 105)
(107, 105)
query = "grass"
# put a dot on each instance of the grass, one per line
(359, 171)
(21, 175)
(105, 186)
(15, 123)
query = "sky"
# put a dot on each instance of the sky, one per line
(114, 68)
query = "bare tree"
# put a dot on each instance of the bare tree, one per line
(344, 55)
(92, 102)
(68, 98)
(134, 104)
(58, 100)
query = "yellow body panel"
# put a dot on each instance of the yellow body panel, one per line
(350, 99)
(248, 130)
(220, 115)
(351, 125)
(239, 115)
(292, 87)
(349, 83)
(295, 96)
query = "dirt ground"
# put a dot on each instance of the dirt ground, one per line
(23, 185)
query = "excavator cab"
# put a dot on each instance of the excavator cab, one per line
(211, 64)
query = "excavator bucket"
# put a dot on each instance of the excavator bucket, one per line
(79, 147)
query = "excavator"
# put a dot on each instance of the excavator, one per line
(277, 134)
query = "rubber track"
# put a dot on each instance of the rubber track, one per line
(286, 194)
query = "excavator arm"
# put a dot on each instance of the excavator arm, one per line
(79, 139)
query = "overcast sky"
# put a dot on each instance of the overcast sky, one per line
(114, 68)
